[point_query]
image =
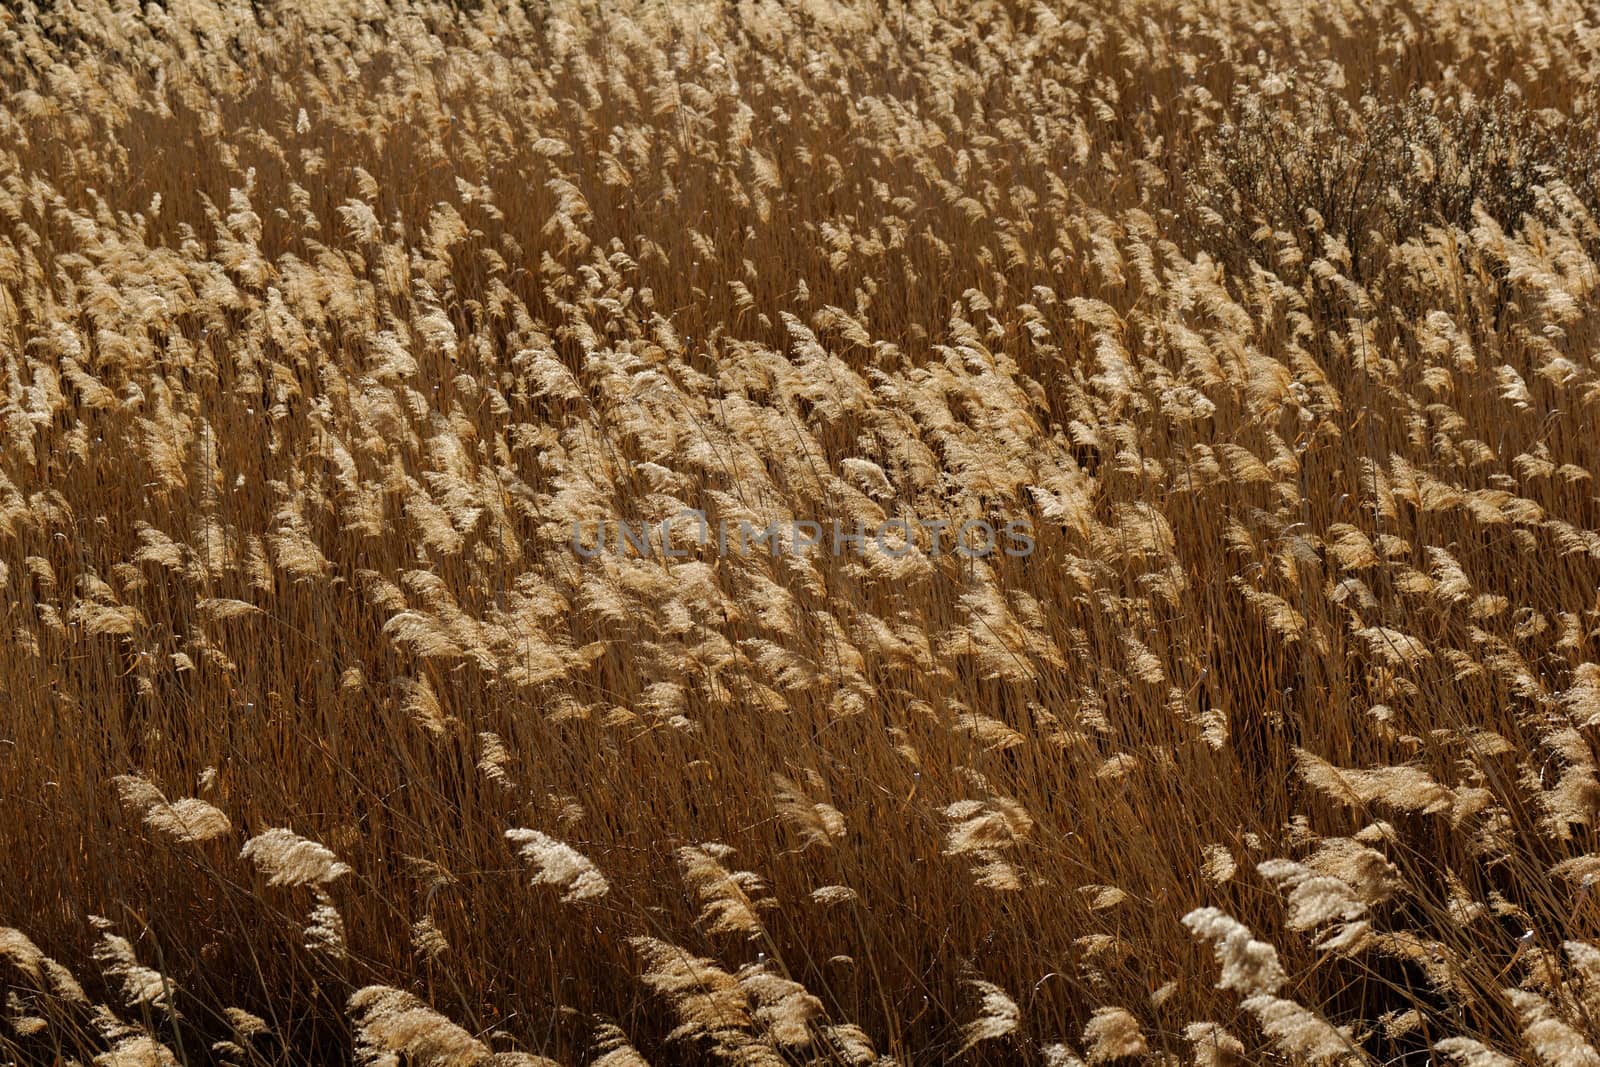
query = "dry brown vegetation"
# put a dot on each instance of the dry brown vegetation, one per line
(320, 324)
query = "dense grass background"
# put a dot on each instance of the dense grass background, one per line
(320, 325)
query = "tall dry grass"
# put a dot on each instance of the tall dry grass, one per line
(321, 324)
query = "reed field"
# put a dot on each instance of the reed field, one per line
(333, 334)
